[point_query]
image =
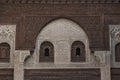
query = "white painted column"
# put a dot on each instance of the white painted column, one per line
(104, 61)
(19, 58)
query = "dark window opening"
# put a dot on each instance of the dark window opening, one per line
(4, 52)
(46, 52)
(117, 52)
(78, 51)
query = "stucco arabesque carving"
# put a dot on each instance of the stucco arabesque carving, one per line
(6, 33)
(115, 33)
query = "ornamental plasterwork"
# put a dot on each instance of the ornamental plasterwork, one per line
(7, 32)
(115, 33)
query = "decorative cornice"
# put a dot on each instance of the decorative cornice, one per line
(58, 1)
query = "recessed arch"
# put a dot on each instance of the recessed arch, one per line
(78, 52)
(4, 52)
(62, 33)
(46, 53)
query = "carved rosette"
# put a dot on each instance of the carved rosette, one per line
(7, 32)
(115, 33)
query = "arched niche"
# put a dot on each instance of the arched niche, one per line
(117, 52)
(62, 33)
(4, 52)
(46, 52)
(78, 52)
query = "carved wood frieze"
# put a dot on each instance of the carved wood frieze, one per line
(59, 1)
(62, 74)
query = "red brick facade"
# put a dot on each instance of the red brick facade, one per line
(62, 74)
(31, 18)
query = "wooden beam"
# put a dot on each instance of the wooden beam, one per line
(59, 1)
(89, 1)
(102, 1)
(83, 1)
(116, 1)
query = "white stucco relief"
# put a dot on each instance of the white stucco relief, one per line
(7, 35)
(115, 33)
(61, 33)
(7, 32)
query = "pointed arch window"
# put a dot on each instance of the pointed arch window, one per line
(46, 52)
(117, 52)
(4, 52)
(77, 52)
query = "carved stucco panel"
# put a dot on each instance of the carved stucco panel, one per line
(115, 33)
(7, 32)
(7, 35)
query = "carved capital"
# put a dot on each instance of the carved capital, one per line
(20, 55)
(102, 57)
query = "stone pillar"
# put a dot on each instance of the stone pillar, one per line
(19, 58)
(104, 62)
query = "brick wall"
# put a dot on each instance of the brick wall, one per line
(6, 74)
(31, 18)
(61, 74)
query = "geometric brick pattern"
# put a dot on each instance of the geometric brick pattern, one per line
(62, 74)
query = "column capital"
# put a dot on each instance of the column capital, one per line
(102, 57)
(21, 55)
